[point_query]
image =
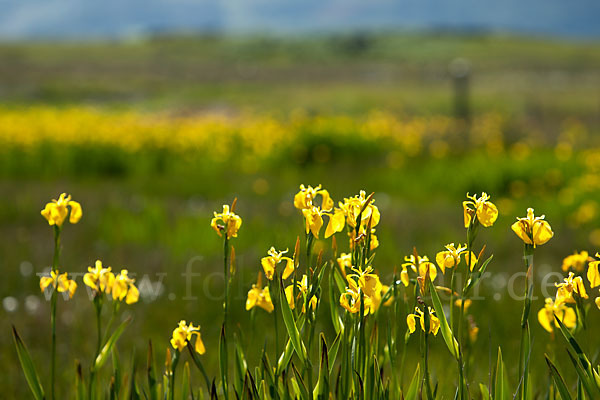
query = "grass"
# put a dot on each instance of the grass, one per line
(149, 210)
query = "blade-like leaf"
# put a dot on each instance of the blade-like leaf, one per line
(28, 367)
(558, 380)
(151, 373)
(447, 334)
(413, 388)
(501, 387)
(292, 329)
(106, 350)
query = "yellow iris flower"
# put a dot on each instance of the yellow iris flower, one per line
(305, 198)
(351, 298)
(576, 261)
(302, 285)
(273, 259)
(123, 288)
(259, 296)
(533, 230)
(313, 218)
(231, 222)
(572, 284)
(480, 207)
(56, 211)
(421, 266)
(99, 279)
(362, 236)
(183, 334)
(565, 314)
(59, 282)
(450, 257)
(434, 322)
(348, 212)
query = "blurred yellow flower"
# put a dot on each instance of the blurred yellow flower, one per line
(273, 259)
(533, 230)
(259, 296)
(302, 285)
(306, 196)
(123, 288)
(468, 303)
(98, 278)
(59, 282)
(182, 335)
(231, 222)
(434, 322)
(565, 314)
(485, 211)
(575, 261)
(572, 284)
(56, 211)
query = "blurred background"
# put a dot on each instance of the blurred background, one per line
(154, 113)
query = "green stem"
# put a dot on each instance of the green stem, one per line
(55, 262)
(225, 367)
(174, 362)
(425, 353)
(523, 369)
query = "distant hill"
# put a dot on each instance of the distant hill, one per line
(26, 19)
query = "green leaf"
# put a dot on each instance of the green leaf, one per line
(106, 350)
(485, 392)
(501, 387)
(116, 362)
(476, 275)
(321, 390)
(558, 380)
(28, 367)
(336, 320)
(223, 361)
(151, 373)
(185, 383)
(451, 342)
(298, 384)
(292, 329)
(413, 388)
(80, 393)
(333, 350)
(198, 364)
(240, 364)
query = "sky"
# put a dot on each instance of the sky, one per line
(68, 19)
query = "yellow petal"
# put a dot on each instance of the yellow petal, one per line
(268, 264)
(569, 318)
(487, 214)
(544, 319)
(289, 267)
(75, 212)
(336, 223)
(404, 276)
(199, 346)
(542, 232)
(434, 324)
(133, 295)
(593, 275)
(327, 203)
(598, 302)
(410, 321)
(90, 280)
(45, 281)
(579, 287)
(288, 296)
(518, 228)
(466, 213)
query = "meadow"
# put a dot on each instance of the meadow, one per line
(151, 136)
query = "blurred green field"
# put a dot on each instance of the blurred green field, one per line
(532, 142)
